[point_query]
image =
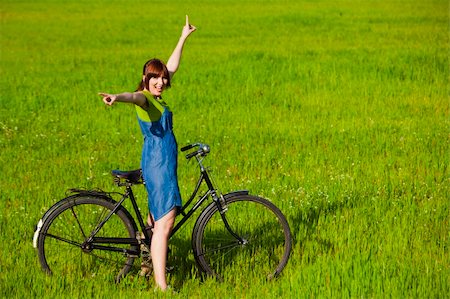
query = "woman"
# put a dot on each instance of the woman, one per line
(159, 155)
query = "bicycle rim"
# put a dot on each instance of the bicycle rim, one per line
(264, 230)
(61, 236)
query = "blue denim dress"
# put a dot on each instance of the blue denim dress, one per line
(159, 157)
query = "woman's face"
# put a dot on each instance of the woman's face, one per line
(156, 85)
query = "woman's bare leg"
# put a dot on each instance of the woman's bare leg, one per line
(160, 238)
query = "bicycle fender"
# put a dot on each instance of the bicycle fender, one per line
(41, 221)
(75, 193)
(236, 193)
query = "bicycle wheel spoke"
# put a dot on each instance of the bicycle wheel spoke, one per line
(63, 247)
(221, 247)
(78, 222)
(64, 240)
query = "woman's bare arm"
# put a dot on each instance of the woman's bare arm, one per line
(137, 98)
(175, 58)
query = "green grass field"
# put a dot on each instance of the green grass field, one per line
(337, 111)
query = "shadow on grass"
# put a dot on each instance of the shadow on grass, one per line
(262, 238)
(306, 229)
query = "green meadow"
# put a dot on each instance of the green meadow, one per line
(336, 111)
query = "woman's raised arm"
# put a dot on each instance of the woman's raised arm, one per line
(174, 60)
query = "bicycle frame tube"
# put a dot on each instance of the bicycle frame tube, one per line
(136, 211)
(100, 225)
(204, 177)
(197, 187)
(187, 215)
(96, 241)
(128, 194)
(211, 192)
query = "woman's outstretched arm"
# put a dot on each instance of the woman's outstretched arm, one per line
(174, 60)
(137, 98)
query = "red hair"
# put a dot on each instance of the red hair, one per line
(154, 68)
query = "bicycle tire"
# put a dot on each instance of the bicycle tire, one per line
(259, 222)
(66, 228)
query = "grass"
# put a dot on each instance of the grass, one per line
(337, 111)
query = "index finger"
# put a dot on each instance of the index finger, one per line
(187, 20)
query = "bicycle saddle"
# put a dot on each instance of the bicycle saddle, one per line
(132, 176)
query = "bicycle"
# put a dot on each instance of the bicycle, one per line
(89, 230)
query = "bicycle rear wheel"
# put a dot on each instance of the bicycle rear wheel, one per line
(61, 237)
(263, 229)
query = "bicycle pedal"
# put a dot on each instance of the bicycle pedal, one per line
(145, 271)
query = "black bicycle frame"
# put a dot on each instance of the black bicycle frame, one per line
(93, 242)
(203, 177)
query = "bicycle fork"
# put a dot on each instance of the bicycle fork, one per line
(223, 208)
(220, 202)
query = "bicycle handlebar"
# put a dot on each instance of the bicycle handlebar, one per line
(203, 150)
(188, 147)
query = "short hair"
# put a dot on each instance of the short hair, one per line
(154, 68)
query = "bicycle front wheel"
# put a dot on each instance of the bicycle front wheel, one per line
(263, 245)
(62, 246)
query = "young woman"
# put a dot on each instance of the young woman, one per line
(159, 154)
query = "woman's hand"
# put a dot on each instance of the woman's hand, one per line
(174, 60)
(108, 99)
(187, 29)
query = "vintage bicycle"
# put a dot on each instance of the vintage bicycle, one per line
(91, 231)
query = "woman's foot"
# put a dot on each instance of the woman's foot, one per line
(167, 289)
